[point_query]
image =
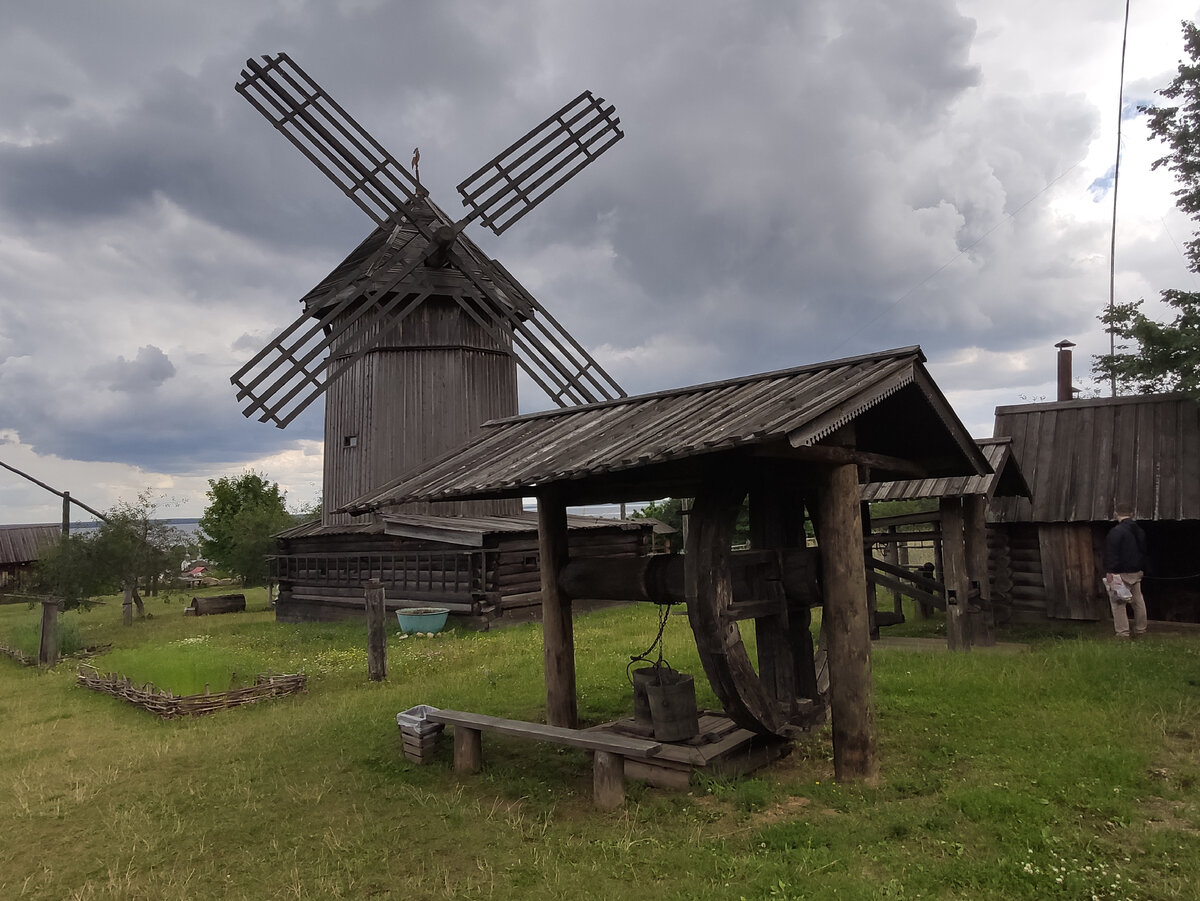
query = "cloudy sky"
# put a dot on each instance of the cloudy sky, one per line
(798, 182)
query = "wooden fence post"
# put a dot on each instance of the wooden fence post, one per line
(957, 632)
(954, 556)
(975, 528)
(127, 606)
(376, 633)
(48, 650)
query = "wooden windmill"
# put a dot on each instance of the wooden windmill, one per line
(416, 336)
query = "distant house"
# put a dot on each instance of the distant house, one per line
(20, 549)
(1080, 457)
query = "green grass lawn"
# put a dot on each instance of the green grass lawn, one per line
(1069, 771)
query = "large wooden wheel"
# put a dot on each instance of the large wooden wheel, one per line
(779, 695)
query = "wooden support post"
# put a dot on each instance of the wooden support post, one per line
(958, 634)
(48, 650)
(774, 641)
(975, 528)
(558, 630)
(855, 748)
(954, 558)
(608, 780)
(891, 554)
(66, 514)
(468, 750)
(376, 633)
(127, 606)
(872, 598)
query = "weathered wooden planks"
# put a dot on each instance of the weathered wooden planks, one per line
(217, 604)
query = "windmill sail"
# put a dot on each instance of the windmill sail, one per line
(326, 134)
(520, 177)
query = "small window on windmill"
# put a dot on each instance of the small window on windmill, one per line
(350, 441)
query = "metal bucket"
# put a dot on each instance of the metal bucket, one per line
(672, 699)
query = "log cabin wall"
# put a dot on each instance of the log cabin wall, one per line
(1000, 572)
(321, 576)
(427, 389)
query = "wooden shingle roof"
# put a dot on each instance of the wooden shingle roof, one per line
(669, 437)
(465, 530)
(24, 544)
(1082, 456)
(1005, 480)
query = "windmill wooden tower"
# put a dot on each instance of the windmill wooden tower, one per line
(416, 336)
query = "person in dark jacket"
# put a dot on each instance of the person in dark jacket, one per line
(1124, 566)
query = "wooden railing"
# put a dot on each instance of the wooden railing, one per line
(450, 572)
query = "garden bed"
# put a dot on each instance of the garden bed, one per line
(170, 706)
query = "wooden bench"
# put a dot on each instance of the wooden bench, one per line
(610, 751)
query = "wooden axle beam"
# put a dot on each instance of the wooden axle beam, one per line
(659, 578)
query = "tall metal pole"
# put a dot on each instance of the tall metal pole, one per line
(1112, 251)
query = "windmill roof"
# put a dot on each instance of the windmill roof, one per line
(673, 440)
(1005, 480)
(386, 250)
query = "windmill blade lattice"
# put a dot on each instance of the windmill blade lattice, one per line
(520, 177)
(326, 134)
(556, 362)
(293, 363)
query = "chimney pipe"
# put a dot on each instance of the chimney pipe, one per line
(1066, 391)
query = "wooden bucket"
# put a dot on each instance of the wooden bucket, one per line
(672, 698)
(641, 703)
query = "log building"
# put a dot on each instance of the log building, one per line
(1081, 457)
(20, 549)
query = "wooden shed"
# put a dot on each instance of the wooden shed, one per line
(480, 567)
(20, 549)
(1080, 457)
(796, 444)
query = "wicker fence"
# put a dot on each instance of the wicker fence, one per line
(170, 706)
(19, 656)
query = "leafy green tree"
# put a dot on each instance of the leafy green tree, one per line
(132, 546)
(668, 511)
(1166, 356)
(310, 511)
(237, 528)
(68, 569)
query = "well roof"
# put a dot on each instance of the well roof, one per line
(671, 441)
(1005, 480)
